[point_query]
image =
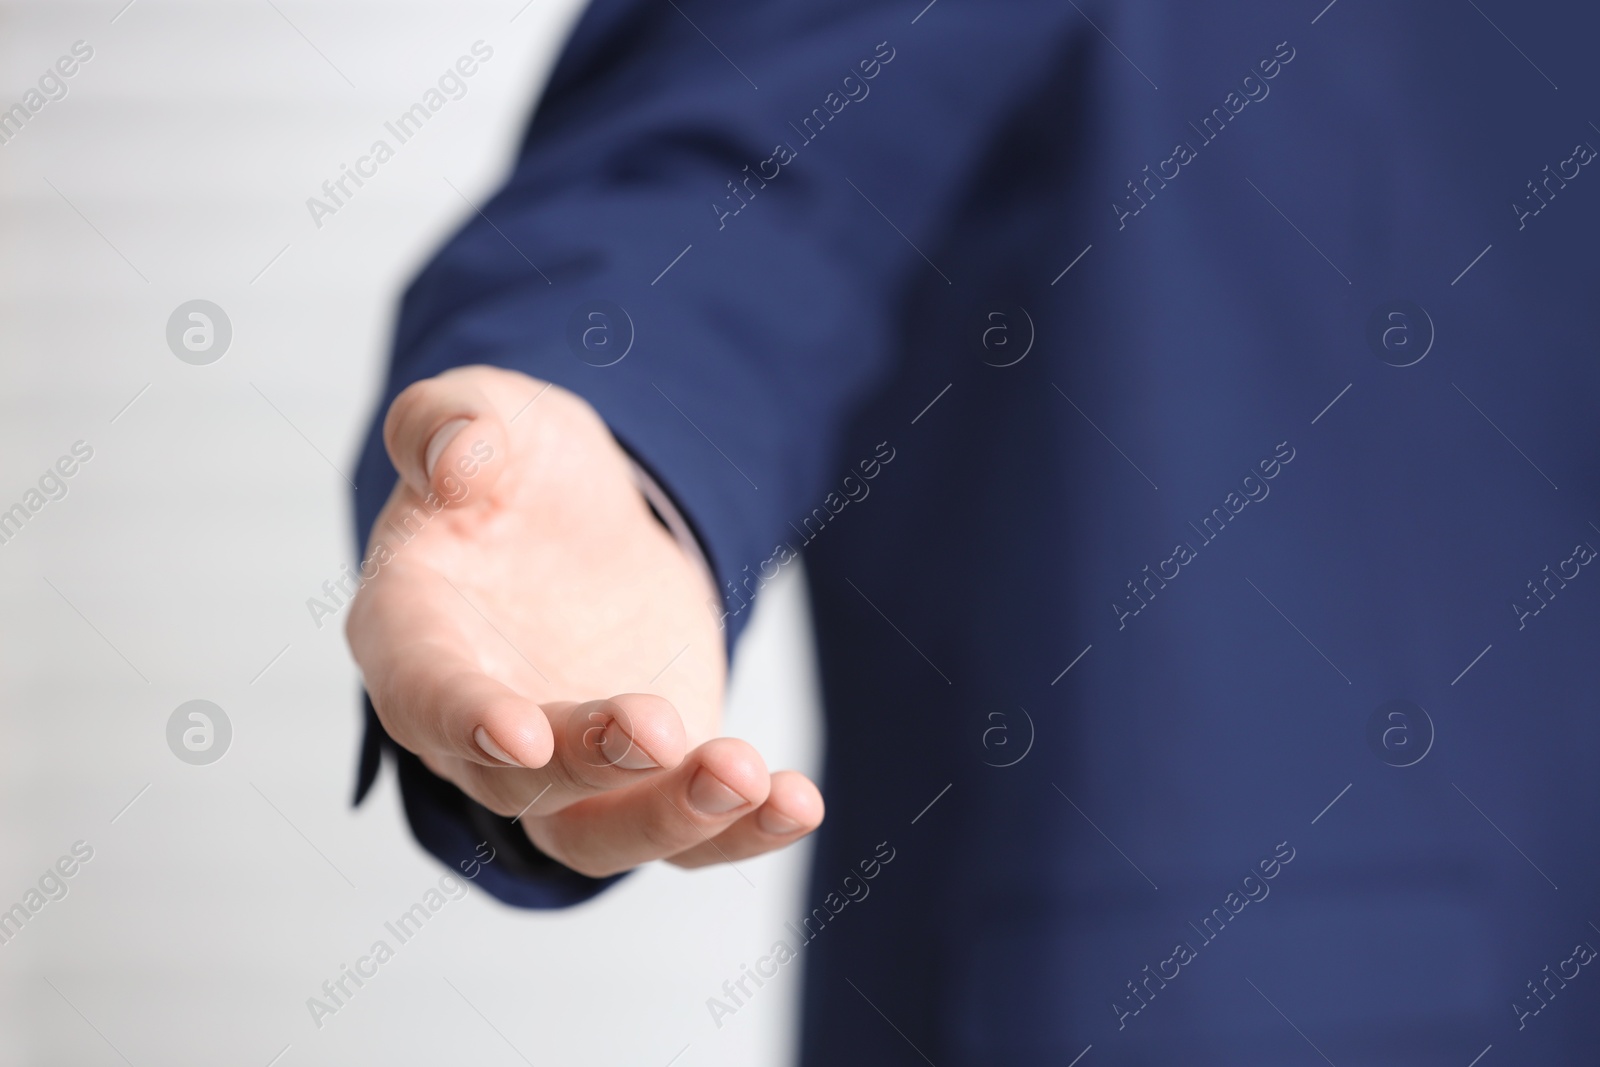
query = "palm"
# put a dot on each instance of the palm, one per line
(557, 581)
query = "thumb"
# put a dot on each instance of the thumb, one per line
(445, 437)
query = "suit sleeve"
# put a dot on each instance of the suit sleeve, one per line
(711, 228)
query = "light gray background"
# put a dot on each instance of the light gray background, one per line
(183, 555)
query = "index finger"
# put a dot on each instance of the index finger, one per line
(431, 695)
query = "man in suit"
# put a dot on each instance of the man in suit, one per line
(1186, 414)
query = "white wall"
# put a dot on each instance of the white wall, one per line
(178, 565)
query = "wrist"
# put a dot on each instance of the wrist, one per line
(662, 506)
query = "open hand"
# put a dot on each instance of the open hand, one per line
(536, 636)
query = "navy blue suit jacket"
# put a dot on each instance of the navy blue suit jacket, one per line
(1226, 590)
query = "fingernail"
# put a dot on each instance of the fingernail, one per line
(710, 796)
(442, 437)
(775, 822)
(620, 750)
(494, 751)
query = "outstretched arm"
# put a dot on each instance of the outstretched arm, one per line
(744, 241)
